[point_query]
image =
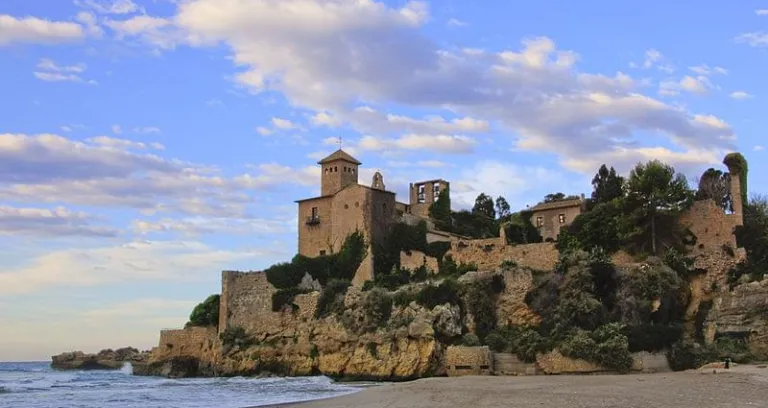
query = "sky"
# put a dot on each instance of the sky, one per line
(145, 146)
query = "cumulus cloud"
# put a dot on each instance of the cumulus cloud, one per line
(741, 95)
(284, 124)
(754, 39)
(455, 144)
(330, 55)
(103, 172)
(139, 261)
(697, 85)
(54, 222)
(32, 30)
(263, 131)
(196, 226)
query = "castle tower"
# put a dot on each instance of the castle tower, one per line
(736, 164)
(339, 170)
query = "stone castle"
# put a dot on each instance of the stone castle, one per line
(345, 206)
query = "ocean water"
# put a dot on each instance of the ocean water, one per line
(36, 385)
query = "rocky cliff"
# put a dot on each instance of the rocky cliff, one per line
(103, 360)
(742, 313)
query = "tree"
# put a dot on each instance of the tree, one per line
(206, 313)
(484, 206)
(655, 193)
(598, 228)
(551, 198)
(716, 185)
(502, 208)
(753, 236)
(607, 185)
(440, 210)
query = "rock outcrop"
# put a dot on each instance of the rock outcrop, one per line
(742, 312)
(103, 360)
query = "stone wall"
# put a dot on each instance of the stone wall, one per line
(650, 362)
(461, 360)
(246, 301)
(193, 341)
(488, 254)
(414, 259)
(742, 312)
(509, 364)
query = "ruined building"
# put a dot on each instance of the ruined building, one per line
(550, 218)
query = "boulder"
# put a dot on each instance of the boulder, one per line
(104, 360)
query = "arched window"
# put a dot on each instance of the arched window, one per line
(335, 169)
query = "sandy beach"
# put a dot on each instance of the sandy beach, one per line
(743, 386)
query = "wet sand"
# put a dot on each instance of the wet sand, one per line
(743, 386)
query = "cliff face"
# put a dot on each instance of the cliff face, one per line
(742, 312)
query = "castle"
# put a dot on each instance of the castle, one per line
(345, 206)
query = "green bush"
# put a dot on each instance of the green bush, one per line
(524, 342)
(284, 275)
(205, 314)
(481, 303)
(652, 337)
(449, 291)
(314, 352)
(377, 306)
(284, 297)
(496, 342)
(606, 346)
(420, 274)
(332, 298)
(470, 340)
(686, 355)
(372, 348)
(403, 298)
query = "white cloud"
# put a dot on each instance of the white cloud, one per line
(196, 226)
(117, 129)
(48, 65)
(331, 55)
(160, 33)
(111, 6)
(59, 77)
(140, 308)
(741, 95)
(157, 146)
(325, 119)
(651, 57)
(90, 22)
(263, 131)
(761, 12)
(437, 143)
(706, 70)
(456, 23)
(699, 85)
(754, 39)
(284, 124)
(117, 143)
(145, 130)
(758, 148)
(37, 31)
(66, 129)
(420, 163)
(53, 222)
(171, 261)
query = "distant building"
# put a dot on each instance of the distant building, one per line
(423, 194)
(550, 218)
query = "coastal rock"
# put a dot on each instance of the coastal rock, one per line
(447, 320)
(742, 312)
(104, 360)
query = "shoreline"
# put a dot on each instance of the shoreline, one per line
(738, 386)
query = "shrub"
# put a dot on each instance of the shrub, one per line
(372, 348)
(206, 313)
(350, 257)
(686, 355)
(481, 302)
(496, 342)
(449, 291)
(420, 274)
(470, 340)
(403, 298)
(314, 352)
(652, 337)
(377, 306)
(607, 346)
(284, 275)
(524, 342)
(332, 298)
(284, 297)
(235, 336)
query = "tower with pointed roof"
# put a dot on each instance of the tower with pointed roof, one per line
(339, 170)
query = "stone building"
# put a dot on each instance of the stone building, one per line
(343, 207)
(423, 194)
(550, 218)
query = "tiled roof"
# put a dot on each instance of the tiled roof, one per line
(339, 155)
(577, 202)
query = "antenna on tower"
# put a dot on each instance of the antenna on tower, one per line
(341, 141)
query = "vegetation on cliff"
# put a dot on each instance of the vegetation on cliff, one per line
(205, 314)
(753, 236)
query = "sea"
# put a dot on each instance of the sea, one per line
(36, 385)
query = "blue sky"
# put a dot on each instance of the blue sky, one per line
(147, 145)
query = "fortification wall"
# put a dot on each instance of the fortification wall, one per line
(414, 259)
(246, 300)
(488, 254)
(193, 341)
(711, 225)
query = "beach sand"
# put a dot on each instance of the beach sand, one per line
(743, 386)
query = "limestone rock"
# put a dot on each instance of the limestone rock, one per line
(447, 320)
(104, 360)
(308, 283)
(743, 312)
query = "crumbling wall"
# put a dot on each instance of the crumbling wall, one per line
(488, 254)
(414, 259)
(192, 341)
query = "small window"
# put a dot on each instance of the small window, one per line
(322, 252)
(420, 198)
(326, 170)
(314, 212)
(346, 206)
(352, 169)
(562, 218)
(335, 169)
(539, 222)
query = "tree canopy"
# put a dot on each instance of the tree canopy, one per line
(607, 185)
(205, 314)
